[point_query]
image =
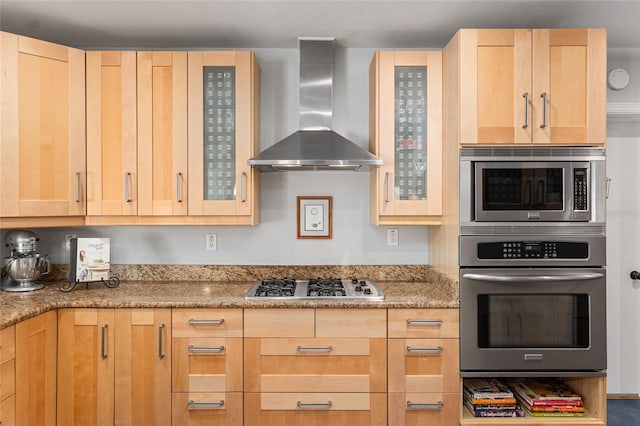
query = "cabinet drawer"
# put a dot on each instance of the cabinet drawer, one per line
(351, 323)
(423, 323)
(199, 409)
(433, 409)
(279, 323)
(207, 322)
(207, 364)
(315, 365)
(7, 344)
(424, 365)
(316, 409)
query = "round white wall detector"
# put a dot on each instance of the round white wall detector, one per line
(618, 79)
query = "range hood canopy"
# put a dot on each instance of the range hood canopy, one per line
(315, 146)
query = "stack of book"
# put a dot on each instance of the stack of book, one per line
(542, 397)
(490, 398)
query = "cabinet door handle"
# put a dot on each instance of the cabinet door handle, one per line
(414, 349)
(179, 187)
(160, 336)
(314, 405)
(315, 348)
(79, 192)
(103, 342)
(387, 194)
(526, 110)
(205, 321)
(425, 322)
(205, 405)
(425, 406)
(243, 185)
(543, 95)
(127, 178)
(198, 349)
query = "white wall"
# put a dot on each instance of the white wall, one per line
(355, 240)
(623, 234)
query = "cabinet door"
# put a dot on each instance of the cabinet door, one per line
(143, 367)
(36, 346)
(495, 86)
(42, 136)
(111, 134)
(407, 135)
(162, 133)
(223, 135)
(86, 355)
(569, 86)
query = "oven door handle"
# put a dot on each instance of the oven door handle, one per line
(554, 278)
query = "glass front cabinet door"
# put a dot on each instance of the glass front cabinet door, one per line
(406, 132)
(224, 127)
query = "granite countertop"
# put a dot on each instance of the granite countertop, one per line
(432, 291)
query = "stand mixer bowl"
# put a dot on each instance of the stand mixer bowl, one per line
(25, 266)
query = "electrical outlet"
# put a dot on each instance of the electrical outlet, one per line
(392, 237)
(67, 240)
(211, 242)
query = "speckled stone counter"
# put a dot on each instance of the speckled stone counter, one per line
(420, 287)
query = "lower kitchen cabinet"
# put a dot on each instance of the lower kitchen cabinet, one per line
(207, 367)
(424, 408)
(35, 387)
(8, 376)
(315, 367)
(114, 367)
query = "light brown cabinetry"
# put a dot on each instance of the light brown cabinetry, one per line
(424, 380)
(207, 367)
(405, 116)
(315, 367)
(8, 376)
(42, 137)
(540, 86)
(137, 137)
(224, 126)
(36, 347)
(95, 345)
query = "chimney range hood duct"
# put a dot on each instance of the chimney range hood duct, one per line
(315, 146)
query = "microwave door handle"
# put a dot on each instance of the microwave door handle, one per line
(540, 193)
(527, 191)
(532, 278)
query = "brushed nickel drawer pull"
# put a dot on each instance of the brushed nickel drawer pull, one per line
(79, 194)
(243, 180)
(127, 178)
(205, 348)
(160, 336)
(543, 95)
(425, 406)
(178, 187)
(387, 196)
(314, 405)
(424, 322)
(437, 350)
(315, 348)
(526, 110)
(103, 343)
(205, 321)
(205, 405)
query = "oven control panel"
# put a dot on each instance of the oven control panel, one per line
(580, 189)
(533, 250)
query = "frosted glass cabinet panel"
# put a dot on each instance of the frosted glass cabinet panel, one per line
(224, 127)
(406, 132)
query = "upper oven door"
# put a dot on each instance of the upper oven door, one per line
(526, 191)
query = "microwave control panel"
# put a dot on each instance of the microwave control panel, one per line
(533, 250)
(580, 189)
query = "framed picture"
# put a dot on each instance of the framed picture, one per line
(314, 217)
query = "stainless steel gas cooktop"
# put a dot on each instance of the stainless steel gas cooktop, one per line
(314, 289)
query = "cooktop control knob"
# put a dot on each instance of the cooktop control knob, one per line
(358, 288)
(354, 281)
(367, 291)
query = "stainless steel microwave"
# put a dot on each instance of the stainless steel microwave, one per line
(534, 184)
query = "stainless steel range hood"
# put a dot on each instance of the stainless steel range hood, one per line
(315, 146)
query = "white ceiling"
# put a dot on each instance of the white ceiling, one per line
(277, 24)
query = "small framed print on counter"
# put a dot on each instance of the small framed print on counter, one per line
(314, 217)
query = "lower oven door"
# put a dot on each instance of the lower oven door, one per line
(530, 319)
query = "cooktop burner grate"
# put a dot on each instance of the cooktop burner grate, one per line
(314, 288)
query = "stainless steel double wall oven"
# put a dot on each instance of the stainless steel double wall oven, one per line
(532, 258)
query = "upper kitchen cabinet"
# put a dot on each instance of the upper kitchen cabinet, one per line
(137, 137)
(541, 86)
(224, 125)
(42, 141)
(405, 116)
